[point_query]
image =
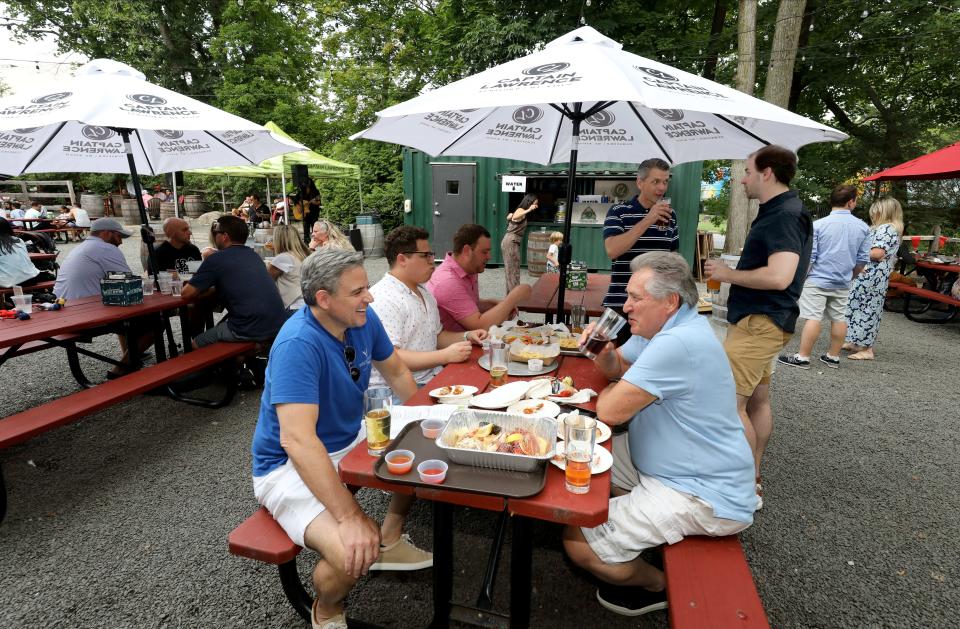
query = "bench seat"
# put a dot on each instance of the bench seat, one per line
(29, 423)
(926, 293)
(35, 288)
(709, 584)
(262, 539)
(909, 292)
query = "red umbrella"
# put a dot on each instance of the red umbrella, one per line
(942, 164)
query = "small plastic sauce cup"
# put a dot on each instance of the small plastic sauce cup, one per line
(534, 364)
(431, 428)
(433, 471)
(400, 461)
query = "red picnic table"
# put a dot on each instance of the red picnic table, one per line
(553, 504)
(543, 298)
(83, 318)
(41, 257)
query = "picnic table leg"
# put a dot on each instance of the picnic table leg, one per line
(442, 564)
(292, 587)
(485, 600)
(521, 558)
(73, 359)
(3, 496)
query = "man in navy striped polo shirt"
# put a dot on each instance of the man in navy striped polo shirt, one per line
(645, 223)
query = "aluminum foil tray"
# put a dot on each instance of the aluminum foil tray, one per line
(545, 427)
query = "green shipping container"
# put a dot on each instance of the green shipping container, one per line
(443, 193)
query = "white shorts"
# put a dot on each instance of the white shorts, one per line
(652, 514)
(289, 500)
(817, 304)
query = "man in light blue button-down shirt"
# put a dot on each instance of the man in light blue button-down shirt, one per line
(841, 248)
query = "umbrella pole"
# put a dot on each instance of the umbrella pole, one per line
(360, 193)
(566, 249)
(267, 200)
(176, 203)
(286, 206)
(146, 233)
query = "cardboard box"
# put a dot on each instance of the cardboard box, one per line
(121, 290)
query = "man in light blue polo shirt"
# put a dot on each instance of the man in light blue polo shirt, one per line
(841, 248)
(684, 467)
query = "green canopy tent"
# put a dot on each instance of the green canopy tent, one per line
(320, 167)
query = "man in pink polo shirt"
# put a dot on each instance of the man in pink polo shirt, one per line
(455, 286)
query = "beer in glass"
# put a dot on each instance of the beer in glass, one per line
(580, 434)
(377, 406)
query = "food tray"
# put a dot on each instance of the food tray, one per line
(520, 369)
(545, 427)
(468, 478)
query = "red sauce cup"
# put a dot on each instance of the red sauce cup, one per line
(400, 461)
(433, 471)
(432, 427)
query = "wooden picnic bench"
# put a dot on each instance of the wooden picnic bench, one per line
(79, 232)
(27, 424)
(909, 292)
(33, 288)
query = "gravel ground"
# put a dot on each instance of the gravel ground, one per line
(120, 520)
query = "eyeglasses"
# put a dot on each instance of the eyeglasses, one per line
(350, 354)
(427, 255)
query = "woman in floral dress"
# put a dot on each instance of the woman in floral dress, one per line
(870, 287)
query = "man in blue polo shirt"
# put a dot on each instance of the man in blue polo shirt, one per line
(841, 248)
(645, 223)
(310, 418)
(684, 467)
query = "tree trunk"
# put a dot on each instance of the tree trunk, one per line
(716, 29)
(738, 213)
(783, 53)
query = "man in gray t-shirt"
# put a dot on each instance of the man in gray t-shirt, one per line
(91, 260)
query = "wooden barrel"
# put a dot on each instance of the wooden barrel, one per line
(538, 243)
(131, 211)
(93, 204)
(166, 210)
(194, 205)
(372, 236)
(116, 204)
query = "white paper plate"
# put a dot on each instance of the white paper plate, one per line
(448, 398)
(502, 397)
(603, 433)
(602, 459)
(547, 408)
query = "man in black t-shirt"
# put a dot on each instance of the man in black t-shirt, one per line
(762, 309)
(173, 253)
(259, 212)
(240, 281)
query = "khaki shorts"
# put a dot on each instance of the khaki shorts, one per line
(652, 514)
(818, 304)
(752, 345)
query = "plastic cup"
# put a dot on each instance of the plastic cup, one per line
(176, 287)
(580, 435)
(23, 303)
(432, 428)
(605, 331)
(713, 285)
(499, 356)
(534, 364)
(433, 471)
(147, 286)
(400, 461)
(578, 318)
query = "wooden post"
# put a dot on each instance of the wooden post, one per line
(935, 243)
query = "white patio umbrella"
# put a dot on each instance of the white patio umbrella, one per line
(584, 98)
(109, 119)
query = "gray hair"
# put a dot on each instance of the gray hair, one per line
(649, 164)
(322, 270)
(671, 274)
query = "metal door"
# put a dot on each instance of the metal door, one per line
(454, 191)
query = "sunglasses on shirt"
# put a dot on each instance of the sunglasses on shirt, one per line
(350, 355)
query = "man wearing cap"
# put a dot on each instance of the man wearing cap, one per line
(91, 260)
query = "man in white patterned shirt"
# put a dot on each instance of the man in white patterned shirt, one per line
(409, 312)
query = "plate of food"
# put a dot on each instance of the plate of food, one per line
(602, 459)
(454, 391)
(520, 369)
(541, 408)
(501, 397)
(603, 431)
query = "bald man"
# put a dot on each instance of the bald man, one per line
(177, 246)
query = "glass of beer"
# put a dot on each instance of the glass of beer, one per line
(605, 331)
(665, 224)
(499, 356)
(580, 435)
(377, 404)
(713, 285)
(578, 318)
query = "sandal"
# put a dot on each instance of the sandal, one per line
(861, 355)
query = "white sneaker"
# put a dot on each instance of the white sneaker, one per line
(337, 622)
(402, 555)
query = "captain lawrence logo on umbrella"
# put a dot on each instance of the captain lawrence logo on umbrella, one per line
(39, 105)
(543, 74)
(152, 105)
(658, 78)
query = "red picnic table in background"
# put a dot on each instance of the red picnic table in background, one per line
(41, 257)
(543, 298)
(553, 504)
